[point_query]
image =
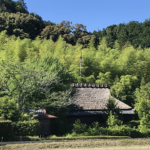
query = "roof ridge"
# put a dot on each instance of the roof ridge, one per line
(90, 85)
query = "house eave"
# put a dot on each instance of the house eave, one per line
(98, 112)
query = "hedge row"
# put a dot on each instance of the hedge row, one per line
(125, 131)
(87, 137)
(5, 130)
(36, 138)
(24, 128)
(120, 131)
(10, 129)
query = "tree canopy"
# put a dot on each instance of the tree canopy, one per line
(34, 53)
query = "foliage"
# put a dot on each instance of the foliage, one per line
(23, 4)
(112, 106)
(123, 70)
(122, 130)
(21, 24)
(78, 127)
(133, 123)
(6, 129)
(9, 110)
(12, 6)
(40, 59)
(125, 131)
(27, 117)
(9, 129)
(21, 82)
(94, 129)
(113, 120)
(143, 100)
(25, 128)
(144, 123)
(134, 32)
(81, 137)
(124, 88)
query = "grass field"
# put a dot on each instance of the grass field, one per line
(124, 144)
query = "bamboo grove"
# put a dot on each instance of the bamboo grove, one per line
(118, 55)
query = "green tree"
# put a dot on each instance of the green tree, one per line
(23, 4)
(104, 78)
(111, 106)
(144, 123)
(22, 82)
(21, 24)
(124, 88)
(142, 104)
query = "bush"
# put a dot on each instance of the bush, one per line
(9, 110)
(79, 127)
(5, 129)
(113, 120)
(26, 128)
(85, 137)
(122, 130)
(133, 123)
(94, 129)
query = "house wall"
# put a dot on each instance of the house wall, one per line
(89, 119)
(44, 128)
(48, 127)
(86, 119)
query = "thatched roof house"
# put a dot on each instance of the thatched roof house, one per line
(91, 100)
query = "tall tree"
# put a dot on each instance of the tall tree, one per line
(143, 100)
(23, 4)
(22, 82)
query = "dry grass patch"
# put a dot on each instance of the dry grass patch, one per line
(82, 144)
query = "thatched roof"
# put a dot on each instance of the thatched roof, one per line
(93, 97)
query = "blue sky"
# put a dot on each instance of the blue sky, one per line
(94, 14)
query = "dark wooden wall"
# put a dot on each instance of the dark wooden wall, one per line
(89, 119)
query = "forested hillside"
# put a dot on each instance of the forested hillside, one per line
(118, 55)
(16, 19)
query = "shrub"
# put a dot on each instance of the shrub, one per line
(9, 110)
(24, 128)
(94, 129)
(27, 117)
(113, 120)
(133, 123)
(5, 129)
(125, 131)
(79, 127)
(122, 130)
